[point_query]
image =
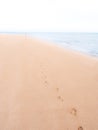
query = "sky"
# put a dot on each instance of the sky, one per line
(49, 16)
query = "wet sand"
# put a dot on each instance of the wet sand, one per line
(44, 87)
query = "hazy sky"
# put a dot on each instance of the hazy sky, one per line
(49, 15)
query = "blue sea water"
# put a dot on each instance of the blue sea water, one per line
(83, 42)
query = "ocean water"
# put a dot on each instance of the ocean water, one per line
(83, 42)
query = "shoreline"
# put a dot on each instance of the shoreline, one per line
(70, 48)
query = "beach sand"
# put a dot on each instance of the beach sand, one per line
(44, 87)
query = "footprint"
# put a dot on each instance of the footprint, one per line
(44, 76)
(46, 82)
(57, 89)
(80, 128)
(45, 79)
(73, 111)
(60, 98)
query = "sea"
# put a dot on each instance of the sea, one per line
(86, 43)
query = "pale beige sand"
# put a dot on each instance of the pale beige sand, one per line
(43, 87)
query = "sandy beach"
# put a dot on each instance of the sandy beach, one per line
(45, 87)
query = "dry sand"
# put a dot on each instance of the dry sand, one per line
(44, 87)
